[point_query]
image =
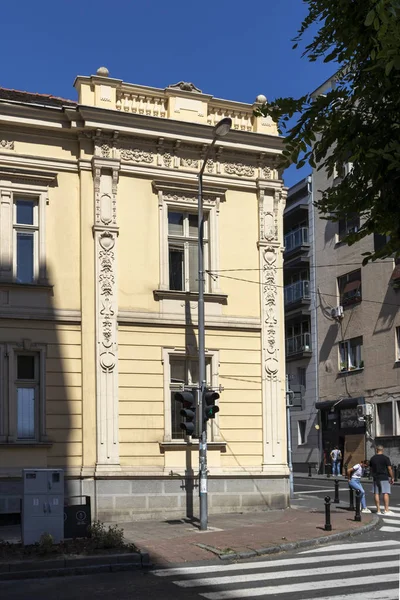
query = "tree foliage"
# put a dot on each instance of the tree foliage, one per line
(357, 120)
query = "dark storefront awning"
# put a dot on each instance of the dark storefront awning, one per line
(338, 404)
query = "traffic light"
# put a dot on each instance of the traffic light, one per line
(209, 407)
(188, 399)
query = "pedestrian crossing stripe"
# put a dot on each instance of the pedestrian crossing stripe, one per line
(390, 530)
(309, 586)
(314, 572)
(379, 595)
(350, 546)
(285, 562)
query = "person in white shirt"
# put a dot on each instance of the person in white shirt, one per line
(354, 475)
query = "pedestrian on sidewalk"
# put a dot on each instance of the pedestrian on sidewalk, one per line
(354, 475)
(336, 457)
(382, 475)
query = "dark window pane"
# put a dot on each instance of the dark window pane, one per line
(193, 225)
(176, 271)
(176, 419)
(24, 257)
(193, 268)
(175, 223)
(24, 212)
(25, 367)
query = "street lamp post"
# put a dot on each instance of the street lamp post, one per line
(220, 130)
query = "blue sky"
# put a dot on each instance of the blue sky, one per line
(227, 48)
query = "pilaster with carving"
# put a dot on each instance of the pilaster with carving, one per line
(105, 175)
(270, 245)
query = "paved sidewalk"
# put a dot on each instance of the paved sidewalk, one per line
(179, 541)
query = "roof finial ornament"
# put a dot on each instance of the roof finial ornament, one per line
(261, 99)
(103, 72)
(185, 86)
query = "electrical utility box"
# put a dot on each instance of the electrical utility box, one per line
(42, 505)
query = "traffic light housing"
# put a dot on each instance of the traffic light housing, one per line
(209, 407)
(188, 400)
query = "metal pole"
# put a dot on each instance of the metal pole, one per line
(351, 494)
(336, 499)
(357, 516)
(328, 525)
(289, 440)
(202, 357)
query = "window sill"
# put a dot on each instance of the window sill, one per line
(347, 371)
(28, 443)
(189, 296)
(25, 286)
(183, 445)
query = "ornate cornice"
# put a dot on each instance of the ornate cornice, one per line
(173, 155)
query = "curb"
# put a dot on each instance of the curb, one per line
(292, 545)
(76, 565)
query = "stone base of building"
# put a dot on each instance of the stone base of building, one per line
(129, 499)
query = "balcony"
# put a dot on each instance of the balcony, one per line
(298, 346)
(296, 239)
(297, 293)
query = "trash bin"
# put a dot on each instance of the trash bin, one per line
(77, 517)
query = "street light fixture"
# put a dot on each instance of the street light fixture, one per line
(220, 130)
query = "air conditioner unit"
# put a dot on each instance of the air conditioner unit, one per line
(337, 313)
(364, 410)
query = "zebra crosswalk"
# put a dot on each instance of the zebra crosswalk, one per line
(391, 523)
(348, 571)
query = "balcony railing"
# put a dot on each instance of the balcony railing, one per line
(298, 343)
(297, 291)
(296, 239)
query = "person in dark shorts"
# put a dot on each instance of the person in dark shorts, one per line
(382, 475)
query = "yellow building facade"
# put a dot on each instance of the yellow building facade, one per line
(98, 297)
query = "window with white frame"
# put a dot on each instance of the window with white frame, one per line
(350, 354)
(397, 343)
(22, 393)
(384, 421)
(26, 239)
(183, 250)
(301, 427)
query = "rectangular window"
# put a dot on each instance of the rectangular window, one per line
(384, 418)
(350, 224)
(301, 425)
(302, 376)
(349, 286)
(183, 251)
(350, 354)
(397, 343)
(26, 239)
(27, 395)
(183, 370)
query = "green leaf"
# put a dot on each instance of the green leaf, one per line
(389, 67)
(369, 18)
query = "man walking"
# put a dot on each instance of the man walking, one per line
(382, 475)
(336, 457)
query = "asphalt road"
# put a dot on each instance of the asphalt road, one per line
(319, 488)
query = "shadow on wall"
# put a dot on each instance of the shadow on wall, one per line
(388, 311)
(42, 413)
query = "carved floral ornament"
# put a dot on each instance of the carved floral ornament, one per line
(106, 283)
(271, 365)
(6, 144)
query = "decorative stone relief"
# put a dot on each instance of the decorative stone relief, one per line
(267, 173)
(239, 169)
(167, 159)
(190, 163)
(136, 155)
(106, 280)
(7, 144)
(269, 309)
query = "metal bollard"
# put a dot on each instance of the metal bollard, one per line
(351, 493)
(336, 499)
(309, 470)
(328, 526)
(357, 516)
(328, 469)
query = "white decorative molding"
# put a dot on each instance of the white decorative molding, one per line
(6, 144)
(105, 176)
(272, 327)
(136, 155)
